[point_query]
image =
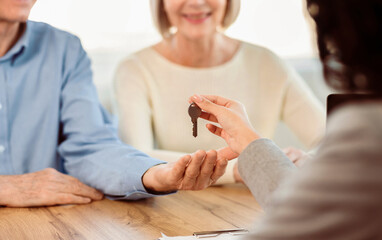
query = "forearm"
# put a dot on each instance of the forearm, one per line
(263, 166)
(115, 170)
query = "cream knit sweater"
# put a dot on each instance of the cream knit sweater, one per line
(151, 96)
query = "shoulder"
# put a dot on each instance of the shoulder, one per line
(366, 117)
(255, 51)
(267, 65)
(140, 59)
(354, 132)
(134, 66)
(43, 32)
(136, 59)
(264, 58)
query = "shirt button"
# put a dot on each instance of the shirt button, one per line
(2, 148)
(1, 106)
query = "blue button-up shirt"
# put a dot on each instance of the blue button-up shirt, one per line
(50, 116)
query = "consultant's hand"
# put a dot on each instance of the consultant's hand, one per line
(235, 128)
(191, 172)
(44, 188)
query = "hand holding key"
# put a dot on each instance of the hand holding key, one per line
(194, 111)
(234, 128)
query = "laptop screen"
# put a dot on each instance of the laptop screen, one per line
(336, 100)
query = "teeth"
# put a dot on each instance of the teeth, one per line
(200, 16)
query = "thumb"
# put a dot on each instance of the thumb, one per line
(226, 153)
(206, 105)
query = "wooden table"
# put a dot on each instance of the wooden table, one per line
(183, 213)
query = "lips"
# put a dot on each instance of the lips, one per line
(197, 18)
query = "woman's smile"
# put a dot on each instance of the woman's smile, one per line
(197, 18)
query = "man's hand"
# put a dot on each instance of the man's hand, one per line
(226, 153)
(44, 188)
(190, 172)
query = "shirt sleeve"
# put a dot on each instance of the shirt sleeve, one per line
(336, 195)
(89, 144)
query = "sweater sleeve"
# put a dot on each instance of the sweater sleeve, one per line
(263, 166)
(336, 195)
(302, 112)
(132, 104)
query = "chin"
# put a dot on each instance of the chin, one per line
(23, 18)
(16, 13)
(17, 18)
(197, 35)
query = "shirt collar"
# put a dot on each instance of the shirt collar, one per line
(20, 45)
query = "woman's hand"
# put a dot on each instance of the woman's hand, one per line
(297, 156)
(191, 172)
(235, 128)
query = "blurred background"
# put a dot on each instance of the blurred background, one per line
(110, 30)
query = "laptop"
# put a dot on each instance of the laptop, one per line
(336, 100)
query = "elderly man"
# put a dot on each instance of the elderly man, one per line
(56, 142)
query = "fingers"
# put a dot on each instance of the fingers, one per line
(214, 129)
(209, 117)
(218, 131)
(220, 167)
(52, 187)
(74, 186)
(67, 198)
(226, 153)
(206, 105)
(193, 170)
(180, 166)
(293, 154)
(206, 170)
(221, 101)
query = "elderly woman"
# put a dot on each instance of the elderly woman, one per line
(196, 56)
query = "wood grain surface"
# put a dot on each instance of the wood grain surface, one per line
(183, 213)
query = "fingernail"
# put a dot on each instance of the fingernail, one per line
(197, 98)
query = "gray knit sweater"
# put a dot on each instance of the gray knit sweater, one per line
(336, 195)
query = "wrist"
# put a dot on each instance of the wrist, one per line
(153, 183)
(246, 138)
(5, 190)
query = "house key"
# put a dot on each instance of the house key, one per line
(194, 111)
